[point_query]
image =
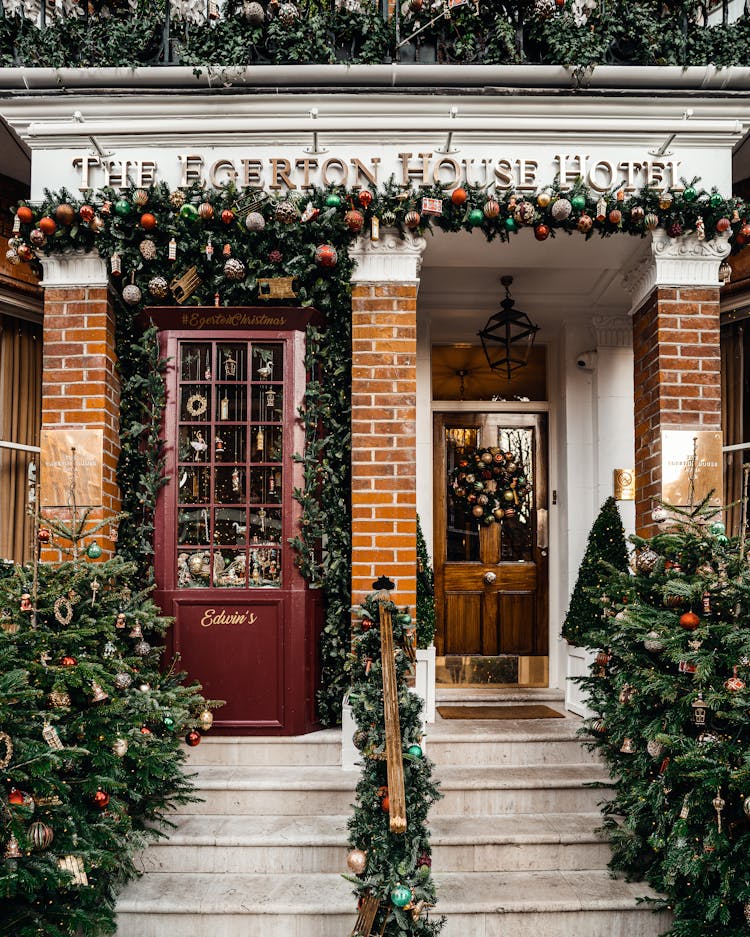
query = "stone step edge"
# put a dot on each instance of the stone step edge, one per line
(294, 838)
(340, 903)
(446, 784)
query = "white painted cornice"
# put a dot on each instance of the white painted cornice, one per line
(391, 259)
(73, 269)
(613, 331)
(675, 262)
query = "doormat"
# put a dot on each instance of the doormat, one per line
(530, 711)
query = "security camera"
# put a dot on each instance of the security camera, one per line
(586, 361)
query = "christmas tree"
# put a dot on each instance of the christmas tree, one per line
(606, 549)
(670, 694)
(90, 733)
(425, 593)
(392, 865)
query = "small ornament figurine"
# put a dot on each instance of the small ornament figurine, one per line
(706, 603)
(627, 747)
(99, 696)
(101, 799)
(26, 603)
(12, 849)
(685, 811)
(120, 621)
(719, 804)
(699, 711)
(50, 736)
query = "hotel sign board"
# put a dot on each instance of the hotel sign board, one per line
(691, 467)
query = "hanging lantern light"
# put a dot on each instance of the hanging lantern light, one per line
(508, 336)
(699, 711)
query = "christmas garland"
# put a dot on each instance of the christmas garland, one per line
(151, 237)
(489, 484)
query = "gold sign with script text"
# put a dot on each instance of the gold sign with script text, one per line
(691, 466)
(57, 459)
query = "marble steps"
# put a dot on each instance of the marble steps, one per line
(288, 845)
(476, 904)
(475, 790)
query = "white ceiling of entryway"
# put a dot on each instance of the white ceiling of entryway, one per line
(558, 280)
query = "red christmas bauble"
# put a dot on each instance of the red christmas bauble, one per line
(87, 213)
(354, 220)
(743, 235)
(47, 225)
(65, 213)
(385, 803)
(25, 214)
(412, 219)
(148, 221)
(723, 224)
(689, 621)
(25, 252)
(227, 216)
(101, 799)
(43, 535)
(615, 216)
(275, 256)
(365, 198)
(68, 661)
(459, 196)
(193, 738)
(16, 797)
(541, 232)
(326, 256)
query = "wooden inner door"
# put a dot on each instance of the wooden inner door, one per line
(491, 589)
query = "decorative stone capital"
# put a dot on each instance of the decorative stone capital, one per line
(73, 269)
(683, 261)
(613, 331)
(391, 259)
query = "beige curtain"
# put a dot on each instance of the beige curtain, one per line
(732, 393)
(20, 417)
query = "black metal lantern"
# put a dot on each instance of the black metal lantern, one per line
(508, 337)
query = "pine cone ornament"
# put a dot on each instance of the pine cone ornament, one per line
(543, 9)
(253, 12)
(286, 212)
(177, 199)
(234, 269)
(147, 249)
(275, 256)
(288, 14)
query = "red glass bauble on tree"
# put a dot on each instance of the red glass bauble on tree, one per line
(354, 220)
(68, 661)
(146, 731)
(743, 235)
(25, 252)
(193, 738)
(87, 213)
(412, 219)
(615, 216)
(689, 621)
(101, 799)
(326, 255)
(65, 213)
(365, 198)
(541, 232)
(723, 224)
(47, 225)
(227, 216)
(148, 221)
(24, 214)
(43, 535)
(16, 797)
(459, 196)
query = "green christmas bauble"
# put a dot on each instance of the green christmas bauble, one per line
(722, 539)
(189, 212)
(578, 202)
(405, 618)
(476, 217)
(510, 224)
(716, 200)
(122, 207)
(401, 894)
(169, 722)
(690, 194)
(718, 528)
(415, 751)
(94, 551)
(333, 200)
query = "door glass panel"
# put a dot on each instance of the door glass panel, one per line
(462, 534)
(517, 527)
(230, 398)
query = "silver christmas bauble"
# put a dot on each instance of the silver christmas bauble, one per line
(158, 287)
(147, 249)
(38, 238)
(659, 514)
(123, 681)
(12, 257)
(120, 747)
(142, 648)
(131, 294)
(561, 209)
(645, 561)
(234, 269)
(255, 221)
(357, 861)
(253, 12)
(654, 748)
(653, 643)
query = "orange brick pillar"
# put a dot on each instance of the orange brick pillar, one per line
(384, 387)
(677, 357)
(80, 397)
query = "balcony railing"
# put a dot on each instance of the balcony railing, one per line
(245, 32)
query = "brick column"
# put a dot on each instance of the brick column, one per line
(676, 351)
(384, 383)
(80, 395)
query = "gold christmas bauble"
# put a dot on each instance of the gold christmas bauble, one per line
(206, 719)
(357, 861)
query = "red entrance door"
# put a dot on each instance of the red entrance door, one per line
(246, 625)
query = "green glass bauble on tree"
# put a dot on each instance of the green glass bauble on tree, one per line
(122, 207)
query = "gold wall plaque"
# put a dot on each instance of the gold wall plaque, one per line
(624, 484)
(691, 466)
(57, 467)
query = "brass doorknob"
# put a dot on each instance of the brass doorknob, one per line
(490, 577)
